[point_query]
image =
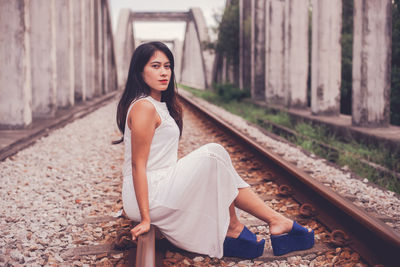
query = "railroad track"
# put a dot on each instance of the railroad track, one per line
(345, 234)
(350, 226)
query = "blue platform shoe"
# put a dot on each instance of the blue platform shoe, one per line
(299, 238)
(245, 246)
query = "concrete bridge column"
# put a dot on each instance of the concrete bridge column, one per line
(43, 57)
(192, 63)
(202, 33)
(245, 44)
(258, 50)
(178, 59)
(79, 38)
(110, 71)
(197, 62)
(124, 45)
(64, 52)
(88, 44)
(274, 55)
(326, 57)
(15, 74)
(98, 46)
(296, 53)
(372, 44)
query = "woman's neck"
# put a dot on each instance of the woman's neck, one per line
(156, 95)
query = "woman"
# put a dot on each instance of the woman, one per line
(192, 200)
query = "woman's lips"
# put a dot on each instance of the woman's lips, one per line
(164, 81)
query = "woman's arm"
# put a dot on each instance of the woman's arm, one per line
(142, 120)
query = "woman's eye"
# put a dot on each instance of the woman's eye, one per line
(155, 66)
(167, 66)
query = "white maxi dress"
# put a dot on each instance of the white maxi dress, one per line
(189, 198)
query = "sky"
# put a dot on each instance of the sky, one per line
(165, 30)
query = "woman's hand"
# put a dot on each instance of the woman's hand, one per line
(142, 228)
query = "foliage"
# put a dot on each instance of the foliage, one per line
(347, 54)
(347, 153)
(228, 45)
(395, 86)
(229, 92)
(228, 33)
(281, 118)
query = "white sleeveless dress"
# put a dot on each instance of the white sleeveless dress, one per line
(189, 198)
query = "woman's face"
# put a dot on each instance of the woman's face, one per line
(157, 72)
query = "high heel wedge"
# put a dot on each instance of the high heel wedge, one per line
(299, 238)
(245, 246)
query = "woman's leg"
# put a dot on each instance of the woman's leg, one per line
(235, 226)
(248, 201)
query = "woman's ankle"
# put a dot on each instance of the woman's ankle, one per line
(279, 224)
(234, 229)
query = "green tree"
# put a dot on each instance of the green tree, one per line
(395, 86)
(347, 54)
(228, 34)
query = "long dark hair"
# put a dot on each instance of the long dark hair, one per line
(136, 87)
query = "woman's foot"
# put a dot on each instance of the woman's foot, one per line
(244, 246)
(279, 225)
(235, 229)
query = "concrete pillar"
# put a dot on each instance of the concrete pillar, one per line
(110, 71)
(88, 42)
(64, 52)
(207, 56)
(296, 53)
(178, 59)
(106, 45)
(84, 51)
(372, 44)
(15, 75)
(98, 69)
(224, 70)
(232, 73)
(258, 50)
(102, 36)
(326, 57)
(245, 43)
(192, 62)
(274, 54)
(124, 45)
(79, 37)
(43, 58)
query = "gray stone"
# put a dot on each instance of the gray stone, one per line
(16, 255)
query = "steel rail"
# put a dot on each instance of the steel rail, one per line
(376, 242)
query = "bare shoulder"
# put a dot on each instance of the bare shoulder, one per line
(142, 111)
(143, 106)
